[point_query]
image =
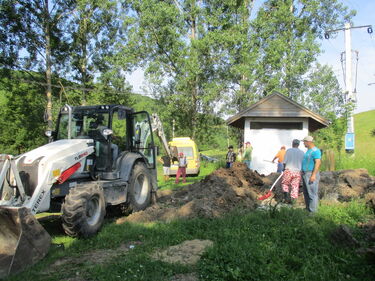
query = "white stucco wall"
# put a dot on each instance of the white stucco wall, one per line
(267, 142)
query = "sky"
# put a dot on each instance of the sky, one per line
(332, 48)
(362, 42)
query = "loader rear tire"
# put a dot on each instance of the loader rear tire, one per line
(140, 187)
(83, 210)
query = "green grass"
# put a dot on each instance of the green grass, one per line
(364, 156)
(364, 123)
(262, 245)
(355, 162)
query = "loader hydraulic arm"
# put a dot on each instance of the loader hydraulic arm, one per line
(10, 165)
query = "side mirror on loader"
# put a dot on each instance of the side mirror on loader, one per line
(49, 133)
(107, 132)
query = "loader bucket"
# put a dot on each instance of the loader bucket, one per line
(23, 241)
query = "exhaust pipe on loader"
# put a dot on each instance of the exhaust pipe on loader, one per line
(23, 241)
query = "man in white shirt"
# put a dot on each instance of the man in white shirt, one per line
(292, 171)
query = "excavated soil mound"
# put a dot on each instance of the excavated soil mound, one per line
(215, 195)
(345, 185)
(226, 189)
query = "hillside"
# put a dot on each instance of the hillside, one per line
(364, 123)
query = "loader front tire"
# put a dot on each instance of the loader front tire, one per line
(140, 187)
(83, 210)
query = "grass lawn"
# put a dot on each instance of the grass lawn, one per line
(262, 245)
(364, 123)
(364, 156)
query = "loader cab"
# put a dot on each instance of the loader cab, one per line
(115, 129)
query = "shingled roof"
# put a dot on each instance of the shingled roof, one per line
(278, 106)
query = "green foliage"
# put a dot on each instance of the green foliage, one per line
(94, 31)
(33, 26)
(177, 47)
(332, 137)
(277, 51)
(200, 57)
(322, 93)
(356, 161)
(21, 116)
(345, 213)
(287, 33)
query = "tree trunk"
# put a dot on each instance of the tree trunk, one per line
(84, 62)
(48, 65)
(195, 84)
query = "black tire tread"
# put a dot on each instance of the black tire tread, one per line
(73, 210)
(138, 168)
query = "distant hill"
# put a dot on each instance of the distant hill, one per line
(364, 123)
(146, 103)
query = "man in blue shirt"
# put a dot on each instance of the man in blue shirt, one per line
(310, 174)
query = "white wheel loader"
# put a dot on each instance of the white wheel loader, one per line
(98, 157)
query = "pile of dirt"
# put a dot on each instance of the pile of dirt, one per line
(215, 195)
(345, 185)
(337, 186)
(226, 189)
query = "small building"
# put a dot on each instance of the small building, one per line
(272, 122)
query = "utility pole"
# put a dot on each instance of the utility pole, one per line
(350, 95)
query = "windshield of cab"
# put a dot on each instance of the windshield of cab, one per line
(84, 124)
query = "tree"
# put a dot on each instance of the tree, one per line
(95, 32)
(177, 44)
(284, 38)
(34, 27)
(322, 92)
(21, 114)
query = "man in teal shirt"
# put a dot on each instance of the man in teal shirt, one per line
(310, 174)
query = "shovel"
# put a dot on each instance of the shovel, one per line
(269, 193)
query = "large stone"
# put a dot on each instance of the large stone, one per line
(355, 178)
(346, 193)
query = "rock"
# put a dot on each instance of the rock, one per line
(327, 184)
(342, 236)
(355, 178)
(186, 253)
(346, 193)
